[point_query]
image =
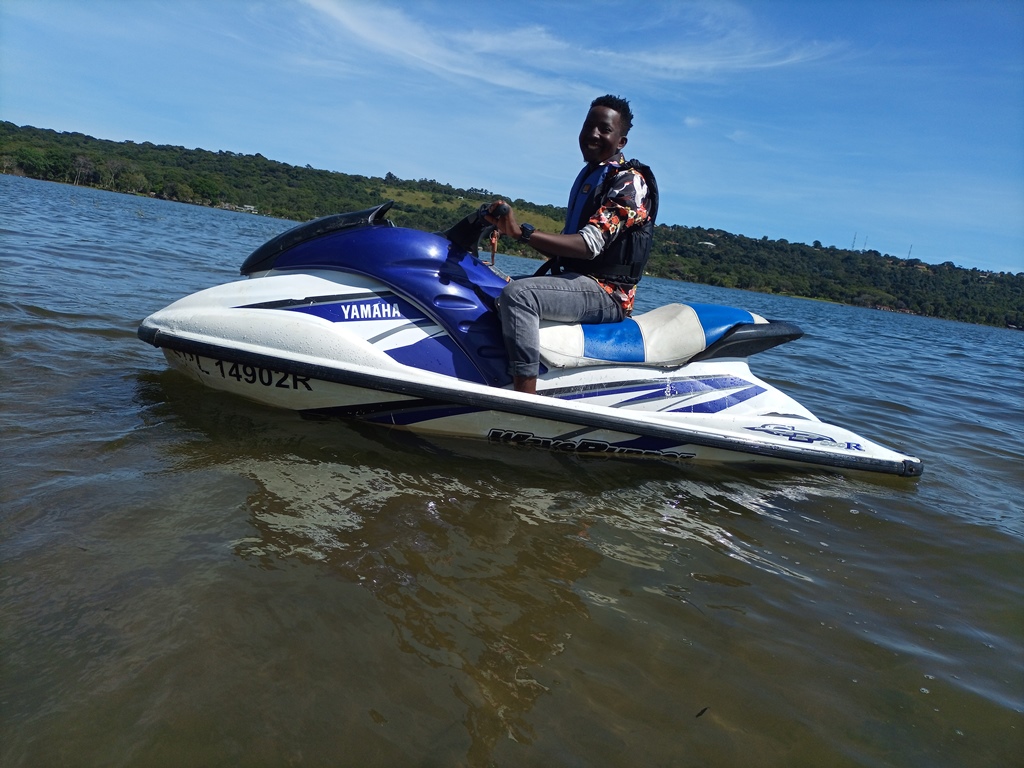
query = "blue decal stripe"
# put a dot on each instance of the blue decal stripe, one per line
(345, 311)
(722, 403)
(309, 300)
(598, 392)
(439, 354)
(348, 307)
(656, 391)
(689, 387)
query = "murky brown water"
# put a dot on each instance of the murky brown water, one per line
(188, 579)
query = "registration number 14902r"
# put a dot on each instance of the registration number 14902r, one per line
(249, 374)
(254, 374)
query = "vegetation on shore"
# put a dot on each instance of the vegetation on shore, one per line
(696, 254)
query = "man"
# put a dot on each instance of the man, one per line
(599, 257)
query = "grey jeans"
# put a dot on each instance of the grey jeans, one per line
(565, 298)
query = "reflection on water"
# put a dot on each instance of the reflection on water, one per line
(454, 545)
(489, 564)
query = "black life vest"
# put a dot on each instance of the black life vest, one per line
(624, 258)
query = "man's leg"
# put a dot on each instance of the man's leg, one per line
(569, 298)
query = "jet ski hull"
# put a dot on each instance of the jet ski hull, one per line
(689, 424)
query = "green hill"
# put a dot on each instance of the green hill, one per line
(695, 254)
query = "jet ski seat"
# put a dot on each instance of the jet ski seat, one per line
(665, 337)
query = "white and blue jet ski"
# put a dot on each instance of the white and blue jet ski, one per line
(351, 316)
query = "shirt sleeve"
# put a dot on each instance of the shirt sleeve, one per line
(623, 207)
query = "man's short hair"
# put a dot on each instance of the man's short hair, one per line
(618, 104)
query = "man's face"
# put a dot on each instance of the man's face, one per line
(601, 136)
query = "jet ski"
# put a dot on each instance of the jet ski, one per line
(351, 316)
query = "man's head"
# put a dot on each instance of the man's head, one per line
(618, 104)
(604, 131)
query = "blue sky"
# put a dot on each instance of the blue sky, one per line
(886, 125)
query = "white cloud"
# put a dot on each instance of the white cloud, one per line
(699, 41)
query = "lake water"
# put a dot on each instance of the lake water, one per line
(189, 579)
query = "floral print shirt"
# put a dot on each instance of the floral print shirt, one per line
(624, 206)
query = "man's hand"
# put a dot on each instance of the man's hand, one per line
(506, 223)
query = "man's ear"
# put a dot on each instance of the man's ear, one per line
(622, 142)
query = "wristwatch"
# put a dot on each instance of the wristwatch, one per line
(528, 229)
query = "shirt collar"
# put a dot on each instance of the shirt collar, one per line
(615, 161)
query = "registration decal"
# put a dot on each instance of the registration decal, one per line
(795, 435)
(245, 374)
(254, 374)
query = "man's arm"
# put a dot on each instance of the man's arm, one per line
(545, 243)
(624, 207)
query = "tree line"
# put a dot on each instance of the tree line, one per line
(695, 254)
